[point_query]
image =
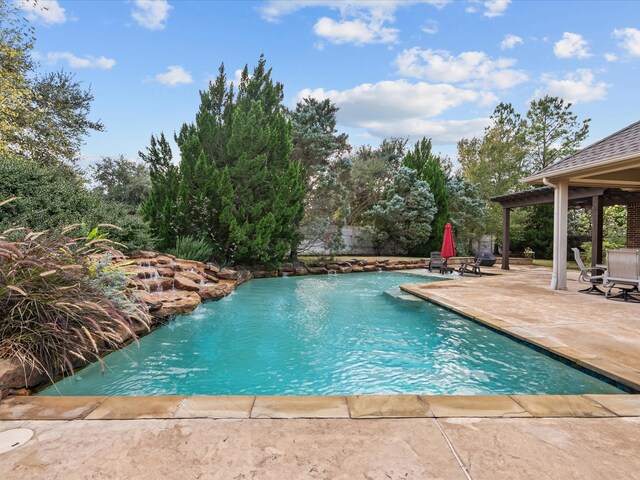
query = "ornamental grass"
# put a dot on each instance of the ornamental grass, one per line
(63, 302)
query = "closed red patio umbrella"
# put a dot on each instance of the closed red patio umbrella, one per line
(448, 248)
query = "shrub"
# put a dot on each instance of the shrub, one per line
(191, 248)
(54, 196)
(62, 302)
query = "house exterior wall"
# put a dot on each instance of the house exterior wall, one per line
(633, 225)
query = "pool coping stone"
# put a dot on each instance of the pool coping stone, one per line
(327, 407)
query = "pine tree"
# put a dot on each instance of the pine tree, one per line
(431, 169)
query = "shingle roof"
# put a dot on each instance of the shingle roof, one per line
(621, 144)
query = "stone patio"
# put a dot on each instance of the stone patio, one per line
(370, 437)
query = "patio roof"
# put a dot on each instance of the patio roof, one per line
(578, 197)
(613, 161)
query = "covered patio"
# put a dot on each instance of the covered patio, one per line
(605, 173)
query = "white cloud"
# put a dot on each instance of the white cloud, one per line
(495, 8)
(443, 132)
(610, 57)
(431, 27)
(510, 41)
(74, 61)
(572, 45)
(361, 22)
(274, 10)
(575, 87)
(151, 14)
(630, 40)
(46, 11)
(472, 68)
(354, 31)
(389, 103)
(175, 75)
(400, 108)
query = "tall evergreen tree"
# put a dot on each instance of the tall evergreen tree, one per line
(236, 185)
(431, 169)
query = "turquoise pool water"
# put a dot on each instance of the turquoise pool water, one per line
(324, 335)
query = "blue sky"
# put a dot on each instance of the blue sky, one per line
(432, 68)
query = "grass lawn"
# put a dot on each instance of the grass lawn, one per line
(571, 265)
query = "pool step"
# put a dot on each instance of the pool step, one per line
(395, 292)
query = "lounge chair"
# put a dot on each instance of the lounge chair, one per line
(436, 262)
(586, 275)
(623, 273)
(471, 267)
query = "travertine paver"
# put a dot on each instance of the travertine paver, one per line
(233, 449)
(128, 408)
(300, 407)
(48, 408)
(224, 406)
(561, 406)
(398, 406)
(547, 448)
(623, 405)
(475, 406)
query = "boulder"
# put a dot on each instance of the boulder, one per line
(265, 273)
(157, 284)
(357, 268)
(227, 274)
(317, 270)
(370, 268)
(176, 302)
(188, 265)
(345, 269)
(151, 299)
(144, 272)
(210, 278)
(13, 375)
(211, 269)
(165, 271)
(143, 262)
(181, 282)
(287, 267)
(299, 271)
(164, 260)
(213, 292)
(147, 254)
(193, 276)
(137, 283)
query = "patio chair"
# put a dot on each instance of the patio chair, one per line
(436, 262)
(586, 275)
(623, 273)
(470, 267)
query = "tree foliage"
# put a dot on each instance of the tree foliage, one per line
(431, 169)
(43, 117)
(319, 148)
(553, 132)
(468, 213)
(121, 180)
(235, 185)
(405, 212)
(51, 196)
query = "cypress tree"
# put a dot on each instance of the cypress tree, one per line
(236, 185)
(430, 169)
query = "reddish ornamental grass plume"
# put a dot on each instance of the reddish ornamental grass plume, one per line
(62, 301)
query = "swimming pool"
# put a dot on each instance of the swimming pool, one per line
(327, 335)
